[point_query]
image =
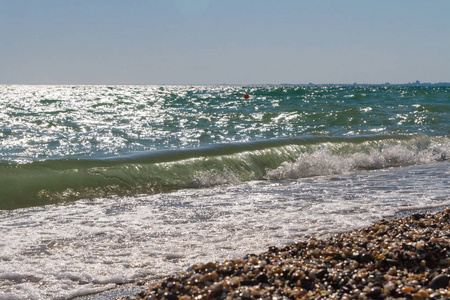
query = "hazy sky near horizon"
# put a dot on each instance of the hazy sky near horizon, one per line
(223, 41)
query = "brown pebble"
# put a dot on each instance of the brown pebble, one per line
(421, 294)
(407, 289)
(209, 277)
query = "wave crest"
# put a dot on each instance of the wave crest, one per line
(325, 162)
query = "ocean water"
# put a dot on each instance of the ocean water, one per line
(106, 185)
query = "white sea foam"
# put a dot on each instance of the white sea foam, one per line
(63, 251)
(324, 162)
(88, 289)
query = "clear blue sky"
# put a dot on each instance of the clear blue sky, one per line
(223, 41)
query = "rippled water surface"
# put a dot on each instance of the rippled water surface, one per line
(49, 122)
(105, 185)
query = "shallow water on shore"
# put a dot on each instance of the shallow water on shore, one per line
(63, 251)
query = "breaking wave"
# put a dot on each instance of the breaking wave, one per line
(54, 181)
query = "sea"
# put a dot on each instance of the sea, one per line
(103, 186)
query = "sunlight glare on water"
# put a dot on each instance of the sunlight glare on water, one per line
(51, 122)
(105, 185)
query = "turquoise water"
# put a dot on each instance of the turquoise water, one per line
(63, 143)
(54, 122)
(106, 185)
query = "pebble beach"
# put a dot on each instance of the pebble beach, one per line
(406, 258)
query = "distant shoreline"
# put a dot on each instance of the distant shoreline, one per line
(413, 84)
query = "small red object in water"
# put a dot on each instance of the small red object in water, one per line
(246, 96)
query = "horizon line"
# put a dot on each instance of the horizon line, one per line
(416, 83)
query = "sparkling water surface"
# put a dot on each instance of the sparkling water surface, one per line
(50, 122)
(105, 185)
